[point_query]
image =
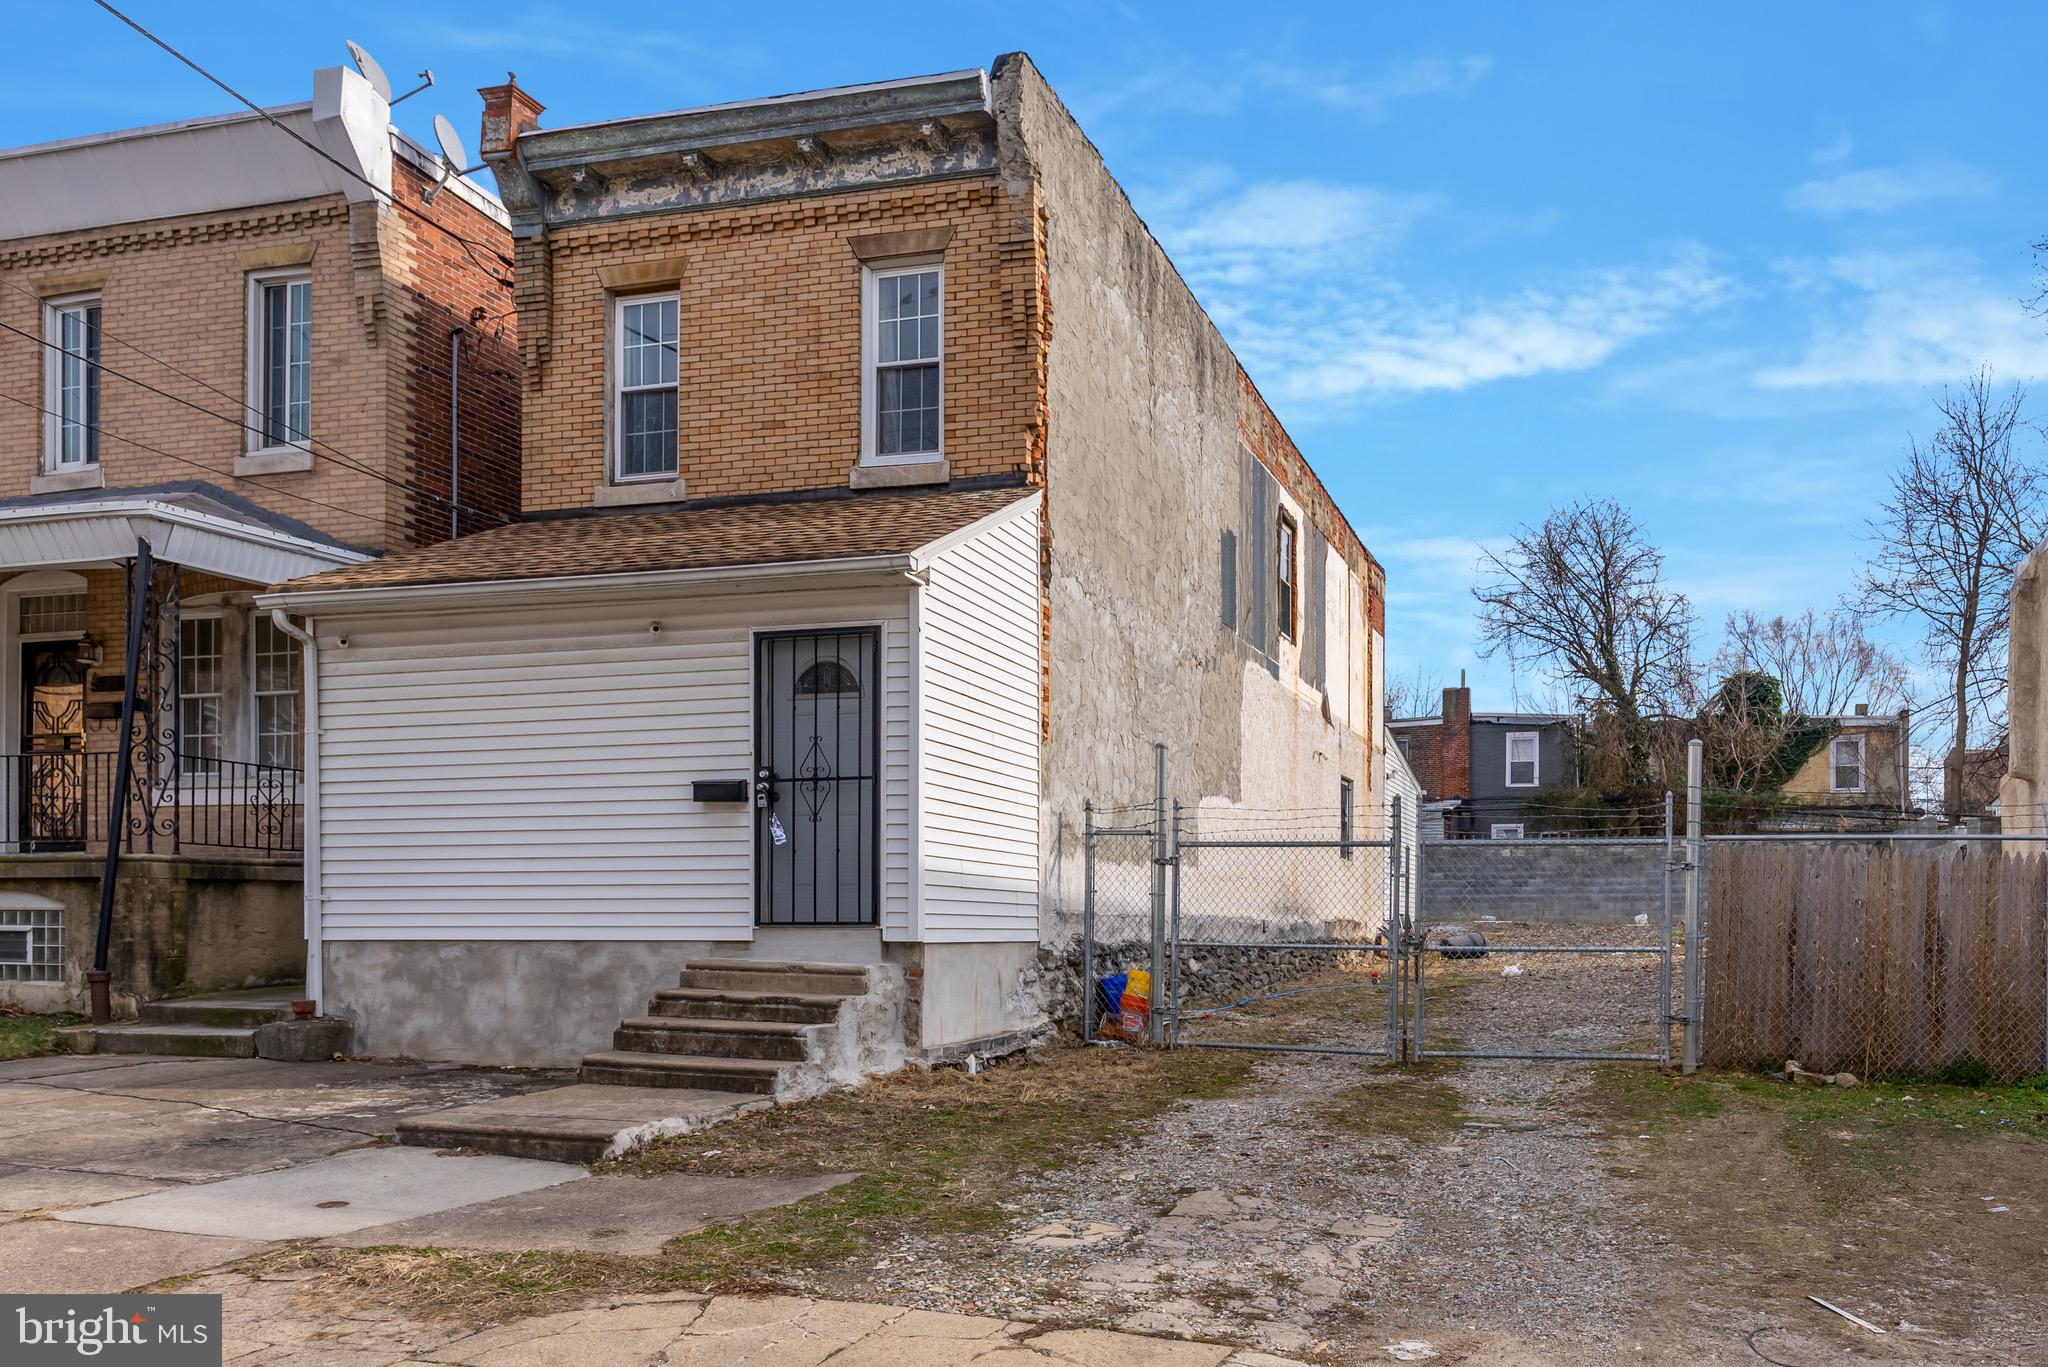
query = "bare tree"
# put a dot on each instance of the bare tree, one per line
(1583, 598)
(1417, 693)
(1824, 665)
(1963, 512)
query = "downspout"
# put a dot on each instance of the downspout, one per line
(310, 800)
(454, 435)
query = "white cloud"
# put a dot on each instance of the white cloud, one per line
(1384, 341)
(1908, 319)
(1182, 87)
(1884, 189)
(1373, 97)
(1275, 228)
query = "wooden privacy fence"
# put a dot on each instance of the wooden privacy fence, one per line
(1878, 957)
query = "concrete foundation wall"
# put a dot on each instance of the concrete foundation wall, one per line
(180, 925)
(1611, 882)
(547, 1003)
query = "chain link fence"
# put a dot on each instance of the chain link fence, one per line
(1885, 956)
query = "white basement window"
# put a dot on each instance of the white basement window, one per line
(1508, 830)
(71, 384)
(904, 347)
(281, 358)
(1522, 759)
(1845, 764)
(645, 369)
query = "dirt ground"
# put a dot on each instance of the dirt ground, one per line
(1329, 1207)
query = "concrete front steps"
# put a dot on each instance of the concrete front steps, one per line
(738, 1025)
(736, 1034)
(218, 1026)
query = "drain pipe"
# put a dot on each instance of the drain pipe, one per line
(309, 801)
(454, 434)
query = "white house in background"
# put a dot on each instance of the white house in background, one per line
(887, 495)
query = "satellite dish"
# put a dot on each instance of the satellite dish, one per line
(454, 157)
(452, 150)
(372, 72)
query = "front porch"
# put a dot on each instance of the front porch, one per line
(180, 757)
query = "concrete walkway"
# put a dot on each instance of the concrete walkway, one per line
(264, 1322)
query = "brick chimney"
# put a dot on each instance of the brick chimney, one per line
(1454, 748)
(508, 112)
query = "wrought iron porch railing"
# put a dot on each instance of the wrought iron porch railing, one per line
(54, 802)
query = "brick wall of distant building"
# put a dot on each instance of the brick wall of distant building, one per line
(770, 355)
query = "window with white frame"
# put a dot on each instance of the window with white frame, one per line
(1845, 764)
(71, 385)
(646, 328)
(1508, 830)
(32, 943)
(1522, 759)
(202, 691)
(274, 676)
(905, 348)
(281, 358)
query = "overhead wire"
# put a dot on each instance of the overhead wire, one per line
(337, 456)
(183, 460)
(468, 246)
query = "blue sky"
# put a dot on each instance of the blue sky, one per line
(1712, 262)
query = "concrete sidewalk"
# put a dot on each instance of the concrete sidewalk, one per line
(264, 1323)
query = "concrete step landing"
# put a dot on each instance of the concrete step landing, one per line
(219, 1025)
(578, 1124)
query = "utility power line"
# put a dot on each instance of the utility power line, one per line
(469, 247)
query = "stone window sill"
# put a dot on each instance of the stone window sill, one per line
(907, 475)
(64, 481)
(638, 495)
(274, 460)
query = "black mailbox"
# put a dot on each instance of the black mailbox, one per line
(718, 790)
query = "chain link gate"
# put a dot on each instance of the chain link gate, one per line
(1554, 947)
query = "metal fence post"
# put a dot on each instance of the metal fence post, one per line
(1695, 888)
(1397, 860)
(1088, 920)
(1159, 859)
(1664, 929)
(1173, 959)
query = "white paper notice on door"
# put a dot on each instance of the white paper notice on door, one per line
(775, 831)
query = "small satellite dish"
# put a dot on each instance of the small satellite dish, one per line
(372, 72)
(454, 157)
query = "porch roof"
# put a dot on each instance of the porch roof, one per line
(813, 531)
(189, 523)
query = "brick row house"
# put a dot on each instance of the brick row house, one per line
(217, 344)
(886, 494)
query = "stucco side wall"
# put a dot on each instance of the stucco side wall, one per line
(1149, 413)
(2022, 790)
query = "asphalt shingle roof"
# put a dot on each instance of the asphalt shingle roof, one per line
(690, 537)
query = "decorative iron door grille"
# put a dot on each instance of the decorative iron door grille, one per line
(52, 799)
(816, 757)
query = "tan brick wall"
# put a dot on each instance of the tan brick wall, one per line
(177, 289)
(770, 339)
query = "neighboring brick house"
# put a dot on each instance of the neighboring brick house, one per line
(216, 341)
(888, 495)
(1482, 774)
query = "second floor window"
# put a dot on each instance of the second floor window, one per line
(1285, 577)
(1846, 764)
(72, 389)
(644, 419)
(1521, 759)
(906, 358)
(281, 357)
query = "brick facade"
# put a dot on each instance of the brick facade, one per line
(770, 351)
(385, 291)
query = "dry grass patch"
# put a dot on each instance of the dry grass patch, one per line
(1415, 1103)
(936, 1153)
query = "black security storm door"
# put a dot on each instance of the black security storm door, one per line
(816, 769)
